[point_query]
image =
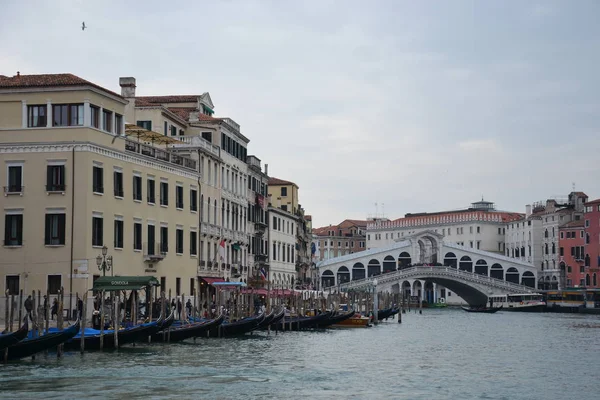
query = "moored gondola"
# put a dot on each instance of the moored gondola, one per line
(125, 336)
(267, 321)
(34, 345)
(9, 338)
(335, 319)
(385, 313)
(182, 332)
(301, 323)
(237, 328)
(483, 310)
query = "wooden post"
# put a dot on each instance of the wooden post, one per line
(83, 322)
(33, 316)
(20, 307)
(7, 309)
(102, 319)
(116, 323)
(60, 319)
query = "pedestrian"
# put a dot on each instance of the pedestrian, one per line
(179, 308)
(79, 308)
(29, 307)
(188, 307)
(45, 307)
(54, 310)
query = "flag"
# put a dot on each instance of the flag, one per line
(313, 248)
(263, 274)
(222, 249)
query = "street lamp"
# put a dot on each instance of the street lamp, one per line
(103, 262)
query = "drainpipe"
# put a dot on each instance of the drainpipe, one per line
(72, 226)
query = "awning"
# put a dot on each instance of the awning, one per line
(112, 283)
(210, 281)
(149, 136)
(230, 284)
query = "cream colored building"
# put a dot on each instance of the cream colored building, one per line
(282, 239)
(73, 183)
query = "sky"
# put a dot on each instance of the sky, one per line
(415, 106)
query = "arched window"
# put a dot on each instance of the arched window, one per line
(553, 248)
(546, 246)
(546, 233)
(208, 211)
(587, 280)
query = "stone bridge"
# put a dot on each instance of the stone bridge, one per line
(425, 265)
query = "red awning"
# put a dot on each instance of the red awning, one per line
(210, 281)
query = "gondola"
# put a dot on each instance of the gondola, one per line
(125, 336)
(336, 319)
(237, 328)
(34, 345)
(267, 321)
(386, 313)
(301, 323)
(9, 338)
(182, 332)
(484, 310)
(278, 315)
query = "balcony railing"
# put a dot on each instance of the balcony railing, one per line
(163, 155)
(197, 141)
(55, 188)
(154, 251)
(13, 189)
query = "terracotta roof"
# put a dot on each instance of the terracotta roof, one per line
(48, 80)
(191, 98)
(184, 112)
(573, 224)
(592, 202)
(504, 215)
(278, 182)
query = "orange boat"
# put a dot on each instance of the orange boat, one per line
(357, 321)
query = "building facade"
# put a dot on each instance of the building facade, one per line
(103, 184)
(257, 222)
(592, 243)
(282, 239)
(571, 255)
(347, 237)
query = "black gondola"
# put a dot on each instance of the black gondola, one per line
(34, 345)
(267, 321)
(125, 336)
(237, 328)
(9, 338)
(188, 331)
(384, 314)
(335, 318)
(301, 323)
(484, 310)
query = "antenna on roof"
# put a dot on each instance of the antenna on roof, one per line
(573, 186)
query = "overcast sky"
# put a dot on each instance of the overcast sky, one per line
(422, 106)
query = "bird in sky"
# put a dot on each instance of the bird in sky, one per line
(83, 26)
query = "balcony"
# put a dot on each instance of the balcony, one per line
(261, 258)
(14, 189)
(254, 163)
(260, 228)
(154, 251)
(56, 188)
(200, 143)
(160, 154)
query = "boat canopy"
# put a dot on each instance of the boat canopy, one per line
(113, 283)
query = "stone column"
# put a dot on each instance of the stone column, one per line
(48, 113)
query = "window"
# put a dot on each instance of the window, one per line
(107, 120)
(177, 286)
(137, 236)
(471, 230)
(15, 179)
(118, 234)
(179, 197)
(193, 200)
(95, 117)
(55, 178)
(54, 284)
(587, 223)
(561, 251)
(173, 130)
(581, 234)
(145, 124)
(55, 229)
(164, 194)
(283, 191)
(478, 229)
(97, 231)
(137, 188)
(151, 191)
(166, 128)
(193, 243)
(569, 269)
(164, 239)
(67, 115)
(284, 207)
(36, 116)
(13, 230)
(118, 124)
(118, 183)
(98, 179)
(151, 250)
(562, 235)
(179, 241)
(12, 284)
(207, 136)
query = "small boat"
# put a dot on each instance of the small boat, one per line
(237, 328)
(34, 345)
(125, 336)
(385, 313)
(188, 331)
(484, 310)
(9, 338)
(277, 317)
(355, 321)
(301, 323)
(336, 318)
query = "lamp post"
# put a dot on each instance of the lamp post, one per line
(104, 262)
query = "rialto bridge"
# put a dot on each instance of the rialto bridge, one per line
(424, 265)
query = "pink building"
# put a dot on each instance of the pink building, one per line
(571, 252)
(592, 243)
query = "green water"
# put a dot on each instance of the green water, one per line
(442, 354)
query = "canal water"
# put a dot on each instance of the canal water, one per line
(442, 354)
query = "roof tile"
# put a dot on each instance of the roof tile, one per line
(48, 80)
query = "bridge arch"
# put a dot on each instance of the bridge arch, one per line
(465, 264)
(327, 279)
(497, 271)
(389, 264)
(481, 267)
(404, 260)
(428, 246)
(358, 271)
(528, 279)
(343, 274)
(512, 275)
(373, 268)
(451, 260)
(417, 288)
(406, 289)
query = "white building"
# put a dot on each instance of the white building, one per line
(282, 242)
(478, 227)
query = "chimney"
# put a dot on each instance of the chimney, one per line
(267, 169)
(194, 116)
(527, 210)
(127, 86)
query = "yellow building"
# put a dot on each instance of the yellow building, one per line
(75, 182)
(283, 194)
